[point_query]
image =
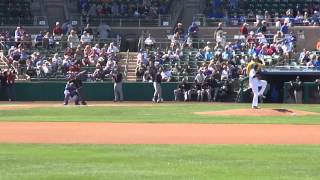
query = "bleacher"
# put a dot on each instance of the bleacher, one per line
(127, 17)
(247, 10)
(15, 12)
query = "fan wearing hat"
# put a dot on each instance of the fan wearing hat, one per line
(57, 31)
(244, 29)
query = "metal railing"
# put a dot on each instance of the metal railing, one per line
(125, 72)
(203, 20)
(26, 21)
(164, 43)
(159, 21)
(301, 68)
(4, 60)
(58, 45)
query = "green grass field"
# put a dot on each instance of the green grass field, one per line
(159, 162)
(156, 113)
(205, 162)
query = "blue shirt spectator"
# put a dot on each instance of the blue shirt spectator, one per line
(317, 64)
(285, 28)
(193, 30)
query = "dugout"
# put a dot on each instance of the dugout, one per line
(279, 79)
(311, 93)
(278, 90)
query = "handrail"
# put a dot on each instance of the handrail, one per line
(203, 20)
(160, 20)
(62, 44)
(5, 60)
(126, 66)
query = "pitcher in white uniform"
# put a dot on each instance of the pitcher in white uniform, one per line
(254, 84)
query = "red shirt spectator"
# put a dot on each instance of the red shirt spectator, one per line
(57, 30)
(244, 29)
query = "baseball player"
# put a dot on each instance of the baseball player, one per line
(183, 89)
(77, 80)
(71, 91)
(205, 89)
(118, 93)
(297, 87)
(156, 79)
(254, 83)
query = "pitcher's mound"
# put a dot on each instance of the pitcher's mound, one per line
(257, 112)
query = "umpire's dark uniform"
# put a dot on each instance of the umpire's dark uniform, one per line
(118, 86)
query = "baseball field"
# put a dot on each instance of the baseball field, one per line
(142, 140)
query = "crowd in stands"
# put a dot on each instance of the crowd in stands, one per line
(222, 59)
(12, 9)
(60, 52)
(124, 8)
(271, 11)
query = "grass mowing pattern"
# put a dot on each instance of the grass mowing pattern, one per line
(153, 162)
(157, 113)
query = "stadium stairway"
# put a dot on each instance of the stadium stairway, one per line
(132, 64)
(3, 64)
(191, 8)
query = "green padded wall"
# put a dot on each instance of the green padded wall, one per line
(53, 91)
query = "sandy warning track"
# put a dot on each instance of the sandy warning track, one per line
(126, 133)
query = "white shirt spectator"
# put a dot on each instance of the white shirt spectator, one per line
(104, 30)
(200, 77)
(142, 58)
(149, 41)
(96, 49)
(166, 74)
(86, 38)
(73, 40)
(112, 49)
(110, 64)
(224, 74)
(18, 34)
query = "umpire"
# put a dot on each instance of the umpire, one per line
(117, 88)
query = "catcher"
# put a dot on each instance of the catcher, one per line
(77, 80)
(70, 91)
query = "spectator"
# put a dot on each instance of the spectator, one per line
(244, 29)
(193, 30)
(73, 40)
(179, 29)
(48, 41)
(218, 31)
(98, 74)
(140, 70)
(57, 32)
(86, 38)
(166, 75)
(317, 63)
(18, 35)
(112, 49)
(103, 30)
(149, 42)
(285, 28)
(39, 39)
(88, 29)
